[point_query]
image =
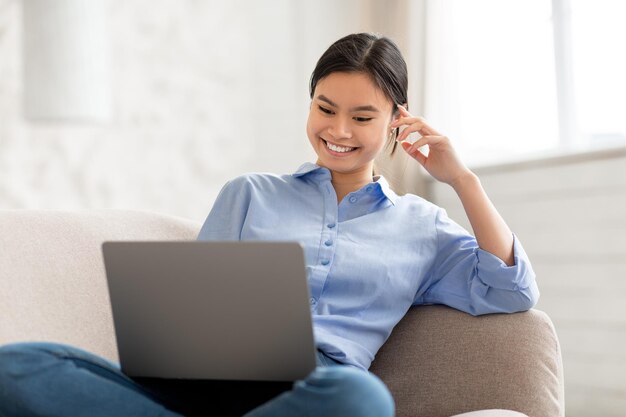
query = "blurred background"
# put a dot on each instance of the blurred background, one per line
(153, 105)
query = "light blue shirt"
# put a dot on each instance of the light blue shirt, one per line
(370, 257)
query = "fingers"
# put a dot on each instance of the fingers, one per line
(414, 152)
(414, 123)
(430, 137)
(426, 140)
(413, 126)
(430, 141)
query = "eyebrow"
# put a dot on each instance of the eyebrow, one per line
(366, 107)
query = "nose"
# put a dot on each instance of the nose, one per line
(340, 129)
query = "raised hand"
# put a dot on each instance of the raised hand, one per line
(441, 161)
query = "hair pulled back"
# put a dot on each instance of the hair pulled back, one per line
(370, 54)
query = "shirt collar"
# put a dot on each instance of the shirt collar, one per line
(386, 189)
(306, 168)
(380, 181)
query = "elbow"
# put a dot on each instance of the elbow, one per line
(505, 301)
(524, 299)
(531, 296)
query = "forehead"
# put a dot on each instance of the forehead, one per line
(351, 89)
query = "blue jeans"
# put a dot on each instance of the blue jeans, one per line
(46, 379)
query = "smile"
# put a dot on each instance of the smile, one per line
(337, 148)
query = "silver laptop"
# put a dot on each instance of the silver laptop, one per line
(211, 310)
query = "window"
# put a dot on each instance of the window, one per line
(526, 77)
(599, 62)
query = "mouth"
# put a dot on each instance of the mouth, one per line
(337, 149)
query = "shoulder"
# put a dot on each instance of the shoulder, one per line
(419, 208)
(258, 180)
(415, 204)
(259, 183)
(412, 212)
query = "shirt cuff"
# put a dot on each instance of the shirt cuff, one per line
(493, 272)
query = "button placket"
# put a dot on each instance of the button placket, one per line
(327, 250)
(327, 239)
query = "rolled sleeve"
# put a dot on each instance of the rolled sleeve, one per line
(504, 288)
(496, 274)
(475, 281)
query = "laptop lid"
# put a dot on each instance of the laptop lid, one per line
(211, 310)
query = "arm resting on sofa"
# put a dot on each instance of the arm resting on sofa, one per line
(439, 362)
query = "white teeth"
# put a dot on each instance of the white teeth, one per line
(338, 148)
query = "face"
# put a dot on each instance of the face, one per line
(348, 122)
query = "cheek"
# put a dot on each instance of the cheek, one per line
(313, 128)
(378, 137)
(312, 124)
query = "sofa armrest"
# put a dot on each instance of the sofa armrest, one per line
(439, 362)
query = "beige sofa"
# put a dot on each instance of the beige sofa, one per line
(437, 363)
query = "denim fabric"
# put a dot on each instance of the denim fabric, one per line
(46, 379)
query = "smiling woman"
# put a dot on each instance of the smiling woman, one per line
(370, 255)
(354, 89)
(346, 128)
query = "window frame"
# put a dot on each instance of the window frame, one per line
(569, 133)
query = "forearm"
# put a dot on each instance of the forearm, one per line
(442, 162)
(492, 233)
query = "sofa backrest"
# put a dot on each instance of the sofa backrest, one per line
(52, 280)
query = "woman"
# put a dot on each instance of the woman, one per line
(370, 254)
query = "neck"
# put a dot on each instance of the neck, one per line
(347, 182)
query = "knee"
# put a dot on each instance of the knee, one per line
(31, 350)
(358, 392)
(18, 352)
(21, 359)
(17, 362)
(28, 369)
(17, 357)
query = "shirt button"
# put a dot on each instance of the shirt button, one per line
(331, 225)
(328, 242)
(369, 188)
(325, 262)
(353, 199)
(313, 301)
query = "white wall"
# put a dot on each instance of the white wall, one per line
(569, 213)
(203, 91)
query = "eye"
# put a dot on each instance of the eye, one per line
(363, 119)
(325, 110)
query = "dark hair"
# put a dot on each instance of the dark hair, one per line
(376, 56)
